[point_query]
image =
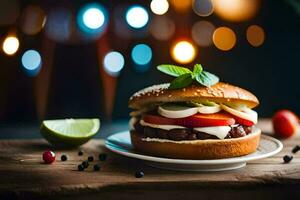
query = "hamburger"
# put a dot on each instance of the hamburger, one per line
(205, 119)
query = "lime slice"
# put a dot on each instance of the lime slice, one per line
(69, 132)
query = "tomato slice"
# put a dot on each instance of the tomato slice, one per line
(156, 119)
(197, 120)
(242, 121)
(204, 120)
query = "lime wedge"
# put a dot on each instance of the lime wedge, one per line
(69, 132)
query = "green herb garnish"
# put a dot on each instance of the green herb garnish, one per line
(185, 76)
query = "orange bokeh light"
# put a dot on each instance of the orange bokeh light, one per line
(236, 10)
(224, 38)
(181, 5)
(183, 52)
(255, 35)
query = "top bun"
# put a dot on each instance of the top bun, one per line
(218, 93)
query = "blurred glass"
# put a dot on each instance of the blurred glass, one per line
(113, 63)
(255, 35)
(203, 8)
(183, 52)
(159, 7)
(31, 61)
(58, 25)
(10, 45)
(162, 27)
(236, 10)
(181, 5)
(202, 33)
(33, 20)
(137, 16)
(224, 38)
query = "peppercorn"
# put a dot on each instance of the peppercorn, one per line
(80, 153)
(296, 149)
(96, 167)
(90, 158)
(287, 158)
(139, 174)
(85, 164)
(80, 167)
(64, 157)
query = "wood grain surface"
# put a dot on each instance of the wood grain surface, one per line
(23, 175)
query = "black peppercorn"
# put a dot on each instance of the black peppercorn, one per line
(287, 158)
(80, 167)
(296, 148)
(90, 158)
(96, 167)
(85, 164)
(63, 157)
(80, 153)
(139, 174)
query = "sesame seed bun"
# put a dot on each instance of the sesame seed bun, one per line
(219, 93)
(197, 149)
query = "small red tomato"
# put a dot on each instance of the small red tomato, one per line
(285, 123)
(49, 157)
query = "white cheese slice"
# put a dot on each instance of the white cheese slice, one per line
(165, 127)
(218, 131)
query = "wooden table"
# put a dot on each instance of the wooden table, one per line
(23, 175)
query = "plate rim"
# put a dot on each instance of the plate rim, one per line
(141, 156)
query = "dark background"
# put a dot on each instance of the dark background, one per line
(270, 71)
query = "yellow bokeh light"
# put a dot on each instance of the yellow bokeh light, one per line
(183, 52)
(236, 10)
(224, 38)
(181, 5)
(10, 45)
(255, 35)
(159, 7)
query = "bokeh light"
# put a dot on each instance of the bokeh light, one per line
(31, 61)
(92, 19)
(255, 35)
(141, 54)
(203, 8)
(33, 20)
(9, 11)
(202, 33)
(224, 38)
(183, 52)
(113, 63)
(162, 27)
(159, 7)
(58, 24)
(10, 45)
(181, 5)
(137, 16)
(236, 10)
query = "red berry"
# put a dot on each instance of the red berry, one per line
(49, 157)
(285, 123)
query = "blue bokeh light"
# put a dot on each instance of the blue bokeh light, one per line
(31, 61)
(137, 16)
(113, 63)
(92, 18)
(141, 54)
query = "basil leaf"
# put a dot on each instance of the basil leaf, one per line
(207, 79)
(197, 69)
(181, 81)
(173, 70)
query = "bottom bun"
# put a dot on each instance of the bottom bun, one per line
(197, 149)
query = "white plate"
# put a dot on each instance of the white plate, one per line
(120, 143)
